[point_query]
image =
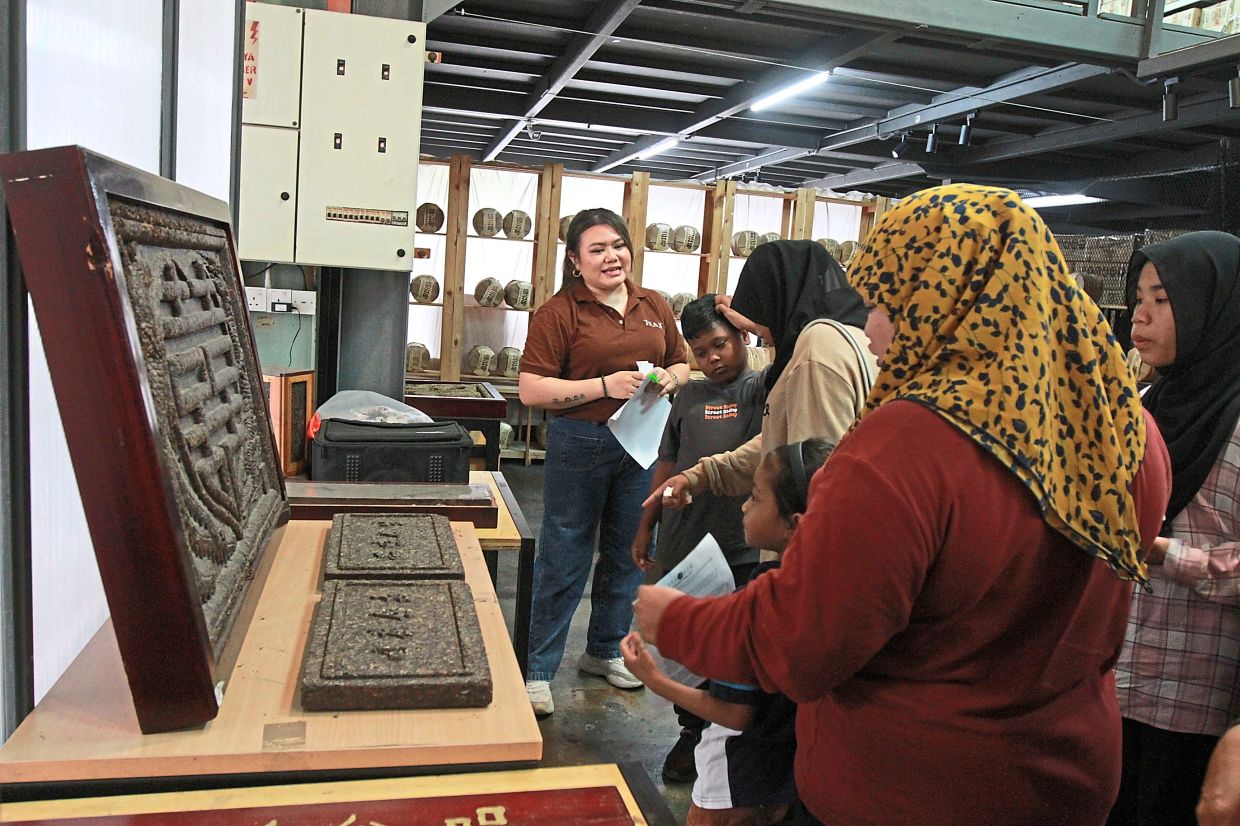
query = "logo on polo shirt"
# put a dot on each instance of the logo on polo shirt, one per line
(656, 324)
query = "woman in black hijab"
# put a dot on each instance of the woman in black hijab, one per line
(793, 295)
(784, 286)
(1179, 674)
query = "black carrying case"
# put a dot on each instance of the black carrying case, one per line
(434, 452)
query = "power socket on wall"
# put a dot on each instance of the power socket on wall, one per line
(304, 301)
(275, 297)
(256, 299)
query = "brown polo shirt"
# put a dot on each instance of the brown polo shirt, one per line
(575, 336)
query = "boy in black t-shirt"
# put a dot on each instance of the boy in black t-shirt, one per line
(709, 416)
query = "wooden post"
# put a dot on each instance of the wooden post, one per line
(870, 213)
(717, 238)
(636, 198)
(546, 232)
(454, 269)
(805, 203)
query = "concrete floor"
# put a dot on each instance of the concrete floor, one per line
(593, 722)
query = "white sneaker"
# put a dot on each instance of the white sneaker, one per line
(539, 692)
(613, 670)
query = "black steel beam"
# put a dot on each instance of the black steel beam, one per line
(959, 102)
(1201, 110)
(1043, 29)
(826, 54)
(170, 48)
(1221, 52)
(234, 183)
(605, 19)
(864, 177)
(16, 614)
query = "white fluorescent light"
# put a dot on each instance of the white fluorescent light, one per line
(789, 91)
(1059, 200)
(660, 147)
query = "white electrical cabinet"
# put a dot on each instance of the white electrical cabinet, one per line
(271, 67)
(329, 169)
(361, 110)
(268, 209)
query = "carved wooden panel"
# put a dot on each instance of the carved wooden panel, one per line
(136, 287)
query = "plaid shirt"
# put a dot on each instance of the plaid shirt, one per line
(1180, 666)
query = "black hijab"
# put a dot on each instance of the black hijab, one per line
(1196, 398)
(786, 285)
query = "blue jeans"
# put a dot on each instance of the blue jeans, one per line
(590, 484)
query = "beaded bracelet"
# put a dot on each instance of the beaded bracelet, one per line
(675, 381)
(603, 379)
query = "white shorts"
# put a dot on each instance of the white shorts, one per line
(713, 789)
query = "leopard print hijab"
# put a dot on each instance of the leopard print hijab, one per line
(991, 332)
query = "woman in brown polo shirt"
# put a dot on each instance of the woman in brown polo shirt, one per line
(580, 362)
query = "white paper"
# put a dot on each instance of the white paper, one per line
(638, 425)
(703, 573)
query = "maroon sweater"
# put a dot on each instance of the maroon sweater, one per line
(951, 654)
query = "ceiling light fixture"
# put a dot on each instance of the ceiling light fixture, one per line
(1233, 90)
(1045, 201)
(659, 148)
(966, 131)
(1171, 100)
(790, 91)
(932, 140)
(903, 146)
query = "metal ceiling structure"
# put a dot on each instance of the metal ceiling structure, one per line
(1057, 97)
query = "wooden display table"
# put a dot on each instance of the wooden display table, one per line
(606, 794)
(85, 729)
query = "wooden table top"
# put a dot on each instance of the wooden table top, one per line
(505, 535)
(86, 729)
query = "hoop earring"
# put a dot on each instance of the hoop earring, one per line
(576, 273)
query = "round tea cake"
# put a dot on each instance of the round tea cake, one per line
(428, 218)
(488, 222)
(847, 250)
(480, 360)
(517, 224)
(686, 239)
(768, 237)
(417, 357)
(744, 243)
(658, 236)
(508, 362)
(519, 294)
(424, 289)
(678, 302)
(832, 246)
(489, 292)
(564, 222)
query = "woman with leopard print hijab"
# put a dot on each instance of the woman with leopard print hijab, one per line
(954, 597)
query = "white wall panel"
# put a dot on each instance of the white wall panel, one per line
(205, 96)
(94, 76)
(93, 79)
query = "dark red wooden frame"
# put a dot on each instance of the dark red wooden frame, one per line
(58, 203)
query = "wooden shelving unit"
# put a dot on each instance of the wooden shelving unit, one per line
(713, 256)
